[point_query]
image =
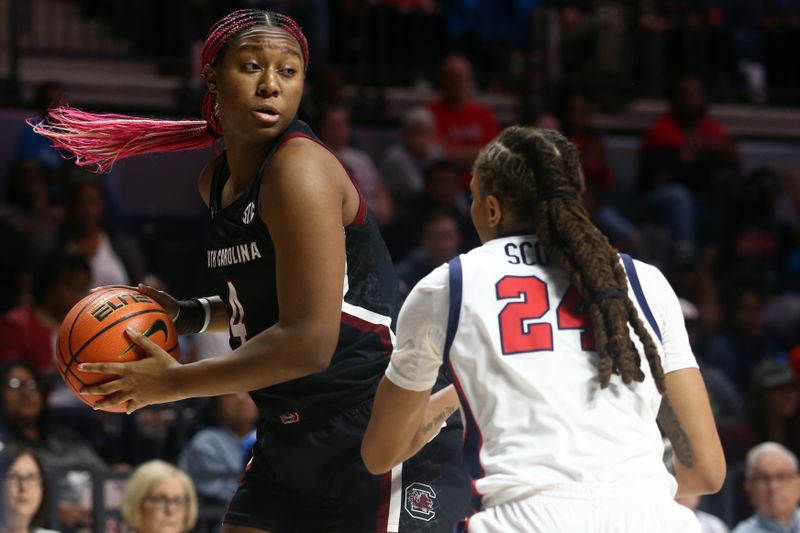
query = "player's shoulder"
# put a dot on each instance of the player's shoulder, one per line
(302, 157)
(438, 279)
(651, 277)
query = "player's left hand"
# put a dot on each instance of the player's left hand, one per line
(146, 381)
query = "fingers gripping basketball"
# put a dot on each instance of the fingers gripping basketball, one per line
(94, 331)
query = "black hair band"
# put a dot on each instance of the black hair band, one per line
(555, 194)
(609, 294)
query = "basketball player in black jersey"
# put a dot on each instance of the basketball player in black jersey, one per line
(307, 290)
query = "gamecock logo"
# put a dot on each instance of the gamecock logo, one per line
(419, 501)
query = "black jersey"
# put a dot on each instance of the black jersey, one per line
(241, 258)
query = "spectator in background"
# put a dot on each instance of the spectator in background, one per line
(463, 125)
(14, 268)
(27, 204)
(114, 259)
(755, 237)
(334, 131)
(159, 498)
(696, 282)
(23, 421)
(442, 192)
(217, 449)
(26, 502)
(440, 242)
(741, 344)
(708, 522)
(774, 407)
(30, 146)
(684, 151)
(325, 89)
(773, 485)
(403, 166)
(726, 400)
(60, 279)
(576, 115)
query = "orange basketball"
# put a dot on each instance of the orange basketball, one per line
(94, 331)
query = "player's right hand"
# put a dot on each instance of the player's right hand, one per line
(166, 301)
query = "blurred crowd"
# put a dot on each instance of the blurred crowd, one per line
(632, 46)
(728, 241)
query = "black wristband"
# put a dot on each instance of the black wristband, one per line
(193, 316)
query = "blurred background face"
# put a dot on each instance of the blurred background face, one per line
(419, 137)
(442, 187)
(23, 488)
(335, 128)
(165, 508)
(238, 412)
(456, 79)
(27, 186)
(782, 401)
(22, 397)
(86, 209)
(441, 239)
(71, 287)
(774, 486)
(690, 101)
(748, 317)
(579, 114)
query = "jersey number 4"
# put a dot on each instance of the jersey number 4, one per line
(520, 330)
(238, 329)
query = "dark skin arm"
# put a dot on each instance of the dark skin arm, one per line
(306, 199)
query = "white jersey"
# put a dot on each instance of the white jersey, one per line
(525, 369)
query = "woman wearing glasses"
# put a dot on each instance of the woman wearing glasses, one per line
(26, 506)
(159, 498)
(23, 421)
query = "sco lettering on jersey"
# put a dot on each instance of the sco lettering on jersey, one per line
(526, 253)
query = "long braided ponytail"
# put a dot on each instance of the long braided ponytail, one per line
(536, 172)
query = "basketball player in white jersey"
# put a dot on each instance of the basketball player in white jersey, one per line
(540, 328)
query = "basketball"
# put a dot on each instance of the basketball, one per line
(94, 332)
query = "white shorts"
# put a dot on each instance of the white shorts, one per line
(588, 509)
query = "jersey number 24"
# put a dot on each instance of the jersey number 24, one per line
(520, 331)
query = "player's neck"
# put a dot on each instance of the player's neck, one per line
(244, 161)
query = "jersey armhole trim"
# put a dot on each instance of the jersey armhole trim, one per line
(454, 314)
(636, 285)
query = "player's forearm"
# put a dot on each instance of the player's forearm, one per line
(396, 417)
(441, 405)
(279, 354)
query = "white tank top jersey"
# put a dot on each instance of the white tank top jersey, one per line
(525, 369)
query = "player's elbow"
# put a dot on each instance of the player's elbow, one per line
(377, 461)
(712, 477)
(706, 477)
(317, 345)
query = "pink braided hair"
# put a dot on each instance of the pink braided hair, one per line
(98, 140)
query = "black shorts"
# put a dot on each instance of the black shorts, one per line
(314, 481)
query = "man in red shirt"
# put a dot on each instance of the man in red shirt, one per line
(685, 145)
(463, 125)
(686, 159)
(59, 281)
